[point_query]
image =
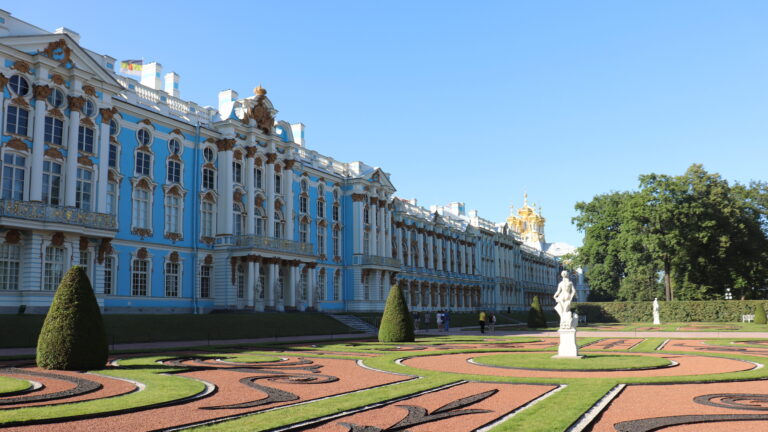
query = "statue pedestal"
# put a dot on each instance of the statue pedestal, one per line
(656, 321)
(259, 306)
(568, 348)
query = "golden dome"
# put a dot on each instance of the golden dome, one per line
(260, 91)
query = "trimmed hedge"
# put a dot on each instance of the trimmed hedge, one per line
(396, 323)
(760, 317)
(674, 311)
(73, 336)
(536, 317)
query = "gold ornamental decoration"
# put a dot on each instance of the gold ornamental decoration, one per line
(107, 114)
(104, 248)
(12, 236)
(57, 239)
(262, 115)
(89, 90)
(142, 253)
(58, 79)
(76, 103)
(21, 66)
(3, 81)
(84, 244)
(225, 144)
(59, 51)
(250, 151)
(53, 153)
(17, 144)
(42, 92)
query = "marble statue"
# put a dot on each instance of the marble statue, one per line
(568, 320)
(563, 297)
(656, 319)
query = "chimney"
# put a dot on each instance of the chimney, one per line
(172, 84)
(73, 34)
(297, 129)
(150, 75)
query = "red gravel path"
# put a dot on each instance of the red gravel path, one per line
(508, 398)
(689, 365)
(613, 344)
(701, 346)
(351, 377)
(647, 401)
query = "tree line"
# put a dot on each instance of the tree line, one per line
(687, 237)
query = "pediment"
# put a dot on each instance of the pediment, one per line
(378, 176)
(62, 49)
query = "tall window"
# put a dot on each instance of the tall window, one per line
(171, 279)
(258, 177)
(303, 204)
(17, 120)
(141, 217)
(259, 221)
(337, 285)
(207, 213)
(143, 163)
(366, 215)
(172, 214)
(262, 282)
(303, 285)
(13, 176)
(238, 219)
(304, 232)
(205, 281)
(240, 281)
(84, 189)
(53, 267)
(335, 211)
(85, 139)
(109, 275)
(321, 246)
(111, 198)
(85, 263)
(209, 178)
(278, 185)
(54, 130)
(174, 172)
(113, 155)
(52, 183)
(139, 277)
(320, 209)
(366, 243)
(237, 172)
(322, 288)
(336, 242)
(10, 263)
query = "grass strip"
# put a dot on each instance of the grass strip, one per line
(13, 385)
(592, 361)
(159, 389)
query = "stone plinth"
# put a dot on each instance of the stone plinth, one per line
(568, 347)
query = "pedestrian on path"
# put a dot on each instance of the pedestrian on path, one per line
(447, 320)
(491, 322)
(482, 322)
(439, 319)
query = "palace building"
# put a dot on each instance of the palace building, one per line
(175, 207)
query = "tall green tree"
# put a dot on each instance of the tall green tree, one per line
(694, 234)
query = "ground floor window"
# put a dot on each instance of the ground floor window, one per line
(109, 275)
(139, 277)
(10, 262)
(171, 279)
(53, 267)
(205, 281)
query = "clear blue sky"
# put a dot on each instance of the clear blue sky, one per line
(474, 101)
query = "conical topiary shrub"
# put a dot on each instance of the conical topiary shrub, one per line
(536, 318)
(760, 314)
(73, 336)
(396, 323)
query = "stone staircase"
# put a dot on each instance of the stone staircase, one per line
(355, 323)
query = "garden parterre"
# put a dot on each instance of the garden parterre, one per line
(432, 384)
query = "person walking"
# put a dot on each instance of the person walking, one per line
(482, 322)
(415, 320)
(447, 320)
(491, 322)
(439, 320)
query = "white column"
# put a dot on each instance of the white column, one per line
(440, 243)
(250, 282)
(399, 240)
(387, 285)
(420, 245)
(101, 185)
(38, 144)
(373, 215)
(256, 268)
(430, 252)
(3, 83)
(408, 245)
(70, 176)
(226, 185)
(290, 284)
(269, 185)
(269, 290)
(382, 232)
(465, 258)
(250, 192)
(288, 183)
(388, 233)
(358, 224)
(311, 280)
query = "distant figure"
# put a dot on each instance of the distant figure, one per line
(563, 297)
(439, 320)
(491, 322)
(656, 318)
(416, 320)
(447, 320)
(482, 322)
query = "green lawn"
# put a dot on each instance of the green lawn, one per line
(22, 330)
(10, 385)
(588, 362)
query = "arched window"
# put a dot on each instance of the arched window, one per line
(321, 285)
(259, 221)
(336, 242)
(304, 197)
(114, 147)
(278, 183)
(279, 225)
(141, 208)
(172, 212)
(209, 179)
(320, 208)
(304, 232)
(322, 247)
(18, 85)
(207, 219)
(366, 215)
(238, 219)
(337, 285)
(144, 137)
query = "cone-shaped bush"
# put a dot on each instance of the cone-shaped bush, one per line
(760, 314)
(396, 323)
(536, 318)
(73, 336)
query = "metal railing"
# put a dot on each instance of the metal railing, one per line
(379, 261)
(273, 244)
(37, 211)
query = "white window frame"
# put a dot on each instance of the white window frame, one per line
(174, 209)
(136, 221)
(207, 219)
(80, 190)
(147, 272)
(22, 169)
(110, 275)
(51, 178)
(172, 273)
(10, 266)
(206, 273)
(53, 270)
